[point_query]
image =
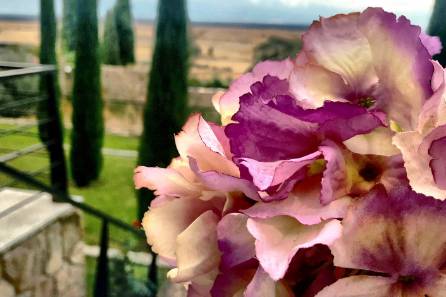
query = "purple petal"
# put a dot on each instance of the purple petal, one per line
(437, 151)
(234, 241)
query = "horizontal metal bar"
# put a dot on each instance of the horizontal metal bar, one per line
(25, 151)
(9, 170)
(8, 64)
(14, 104)
(17, 72)
(22, 129)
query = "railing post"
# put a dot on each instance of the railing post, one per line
(51, 132)
(102, 280)
(153, 271)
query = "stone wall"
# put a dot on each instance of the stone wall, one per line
(44, 259)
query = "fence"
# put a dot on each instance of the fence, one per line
(29, 115)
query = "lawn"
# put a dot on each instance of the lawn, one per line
(113, 193)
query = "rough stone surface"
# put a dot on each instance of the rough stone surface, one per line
(6, 289)
(45, 259)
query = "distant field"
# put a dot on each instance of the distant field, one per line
(225, 51)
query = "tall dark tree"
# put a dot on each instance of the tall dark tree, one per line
(110, 43)
(50, 131)
(69, 25)
(124, 25)
(166, 106)
(88, 125)
(437, 27)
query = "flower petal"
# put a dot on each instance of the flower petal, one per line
(165, 221)
(400, 233)
(360, 286)
(234, 240)
(165, 181)
(229, 102)
(378, 142)
(303, 204)
(279, 238)
(263, 286)
(196, 250)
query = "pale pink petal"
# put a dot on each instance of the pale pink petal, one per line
(313, 84)
(198, 140)
(303, 204)
(279, 238)
(165, 181)
(378, 142)
(337, 44)
(165, 221)
(361, 286)
(201, 285)
(229, 102)
(196, 249)
(269, 174)
(234, 240)
(416, 162)
(401, 62)
(263, 286)
(431, 43)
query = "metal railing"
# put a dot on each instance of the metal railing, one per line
(39, 110)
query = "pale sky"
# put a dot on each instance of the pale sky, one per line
(253, 11)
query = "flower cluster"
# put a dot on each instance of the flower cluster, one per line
(326, 178)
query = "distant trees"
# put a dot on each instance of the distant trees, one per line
(166, 106)
(437, 27)
(119, 41)
(276, 48)
(88, 127)
(69, 25)
(110, 44)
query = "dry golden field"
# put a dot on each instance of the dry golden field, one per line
(226, 52)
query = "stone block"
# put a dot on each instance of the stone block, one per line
(72, 234)
(6, 289)
(55, 249)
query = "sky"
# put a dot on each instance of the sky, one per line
(252, 11)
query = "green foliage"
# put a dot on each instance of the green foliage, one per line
(124, 27)
(276, 48)
(69, 25)
(110, 44)
(437, 27)
(166, 106)
(88, 124)
(124, 282)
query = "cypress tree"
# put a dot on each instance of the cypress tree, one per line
(87, 118)
(437, 27)
(110, 43)
(165, 109)
(124, 25)
(69, 25)
(47, 55)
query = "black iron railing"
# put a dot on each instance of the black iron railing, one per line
(35, 114)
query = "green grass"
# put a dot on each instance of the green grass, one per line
(113, 193)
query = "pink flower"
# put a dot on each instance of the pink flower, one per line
(397, 241)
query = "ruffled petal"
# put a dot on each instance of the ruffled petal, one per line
(401, 62)
(314, 84)
(223, 183)
(165, 221)
(200, 141)
(400, 233)
(234, 241)
(196, 249)
(417, 162)
(279, 238)
(431, 43)
(361, 286)
(263, 286)
(303, 204)
(228, 104)
(378, 142)
(165, 181)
